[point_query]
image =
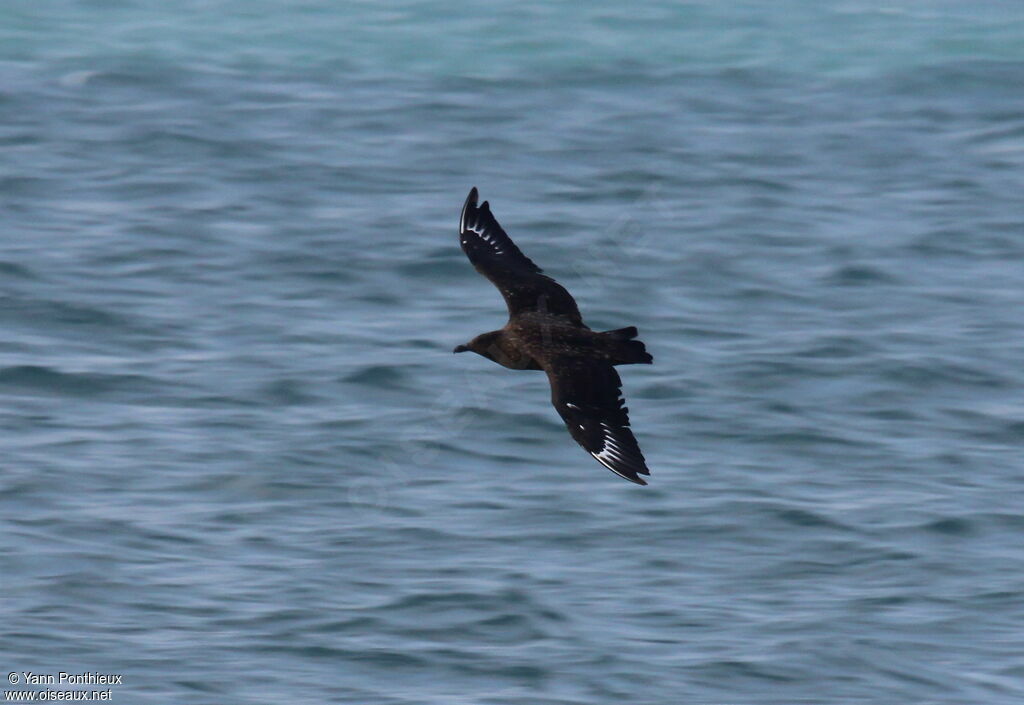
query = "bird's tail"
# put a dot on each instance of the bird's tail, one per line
(624, 350)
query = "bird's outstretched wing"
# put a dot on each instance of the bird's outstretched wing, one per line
(520, 281)
(587, 394)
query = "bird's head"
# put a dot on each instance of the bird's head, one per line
(483, 344)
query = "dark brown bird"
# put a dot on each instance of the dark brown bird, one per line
(546, 332)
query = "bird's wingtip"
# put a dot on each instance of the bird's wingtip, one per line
(632, 477)
(468, 207)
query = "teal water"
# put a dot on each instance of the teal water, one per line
(239, 463)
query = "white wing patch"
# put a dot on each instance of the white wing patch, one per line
(611, 467)
(610, 452)
(483, 235)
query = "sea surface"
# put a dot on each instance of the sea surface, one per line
(240, 464)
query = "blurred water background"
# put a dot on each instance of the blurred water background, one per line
(239, 463)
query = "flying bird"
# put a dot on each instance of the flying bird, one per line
(546, 332)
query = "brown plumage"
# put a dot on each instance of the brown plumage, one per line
(546, 332)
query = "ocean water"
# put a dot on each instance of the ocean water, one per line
(239, 463)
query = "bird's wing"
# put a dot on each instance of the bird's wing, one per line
(521, 282)
(588, 396)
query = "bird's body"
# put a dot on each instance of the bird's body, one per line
(545, 331)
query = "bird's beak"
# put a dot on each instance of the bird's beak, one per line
(460, 348)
